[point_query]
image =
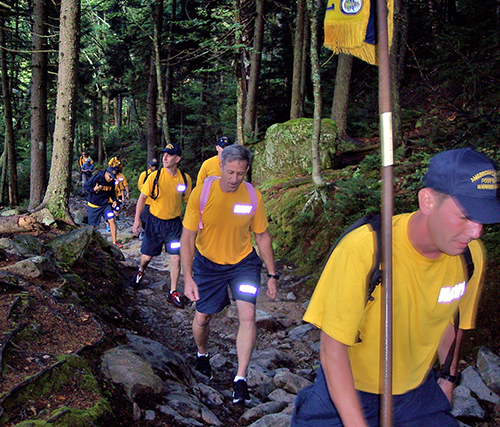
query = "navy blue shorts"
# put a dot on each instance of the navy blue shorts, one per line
(94, 214)
(145, 214)
(159, 232)
(213, 280)
(427, 405)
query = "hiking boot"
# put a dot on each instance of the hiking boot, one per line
(137, 279)
(118, 245)
(240, 392)
(108, 229)
(175, 299)
(203, 365)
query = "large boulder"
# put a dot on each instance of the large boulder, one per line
(286, 150)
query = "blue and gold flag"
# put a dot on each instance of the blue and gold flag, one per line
(350, 28)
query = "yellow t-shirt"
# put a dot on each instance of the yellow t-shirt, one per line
(426, 294)
(170, 189)
(210, 167)
(225, 236)
(120, 184)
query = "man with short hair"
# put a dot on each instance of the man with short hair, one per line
(211, 166)
(102, 200)
(153, 166)
(434, 301)
(226, 258)
(167, 188)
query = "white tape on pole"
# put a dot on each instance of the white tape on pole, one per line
(386, 139)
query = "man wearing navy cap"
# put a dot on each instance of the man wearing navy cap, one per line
(101, 189)
(153, 166)
(166, 188)
(211, 166)
(434, 300)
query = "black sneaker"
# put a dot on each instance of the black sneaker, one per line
(175, 298)
(137, 279)
(203, 365)
(240, 392)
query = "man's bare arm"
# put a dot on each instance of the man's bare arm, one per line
(141, 202)
(450, 335)
(265, 246)
(338, 374)
(187, 255)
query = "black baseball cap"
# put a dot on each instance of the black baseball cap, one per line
(172, 148)
(471, 178)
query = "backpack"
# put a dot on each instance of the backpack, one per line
(207, 184)
(374, 221)
(156, 189)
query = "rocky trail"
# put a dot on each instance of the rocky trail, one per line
(276, 348)
(80, 346)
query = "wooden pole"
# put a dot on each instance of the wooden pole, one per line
(387, 205)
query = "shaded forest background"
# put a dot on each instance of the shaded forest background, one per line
(189, 71)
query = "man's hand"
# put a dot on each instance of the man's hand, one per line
(136, 227)
(272, 288)
(97, 188)
(191, 289)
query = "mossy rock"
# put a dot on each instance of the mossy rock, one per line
(286, 150)
(70, 373)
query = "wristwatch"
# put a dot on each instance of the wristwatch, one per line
(273, 276)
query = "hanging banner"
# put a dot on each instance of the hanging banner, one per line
(350, 27)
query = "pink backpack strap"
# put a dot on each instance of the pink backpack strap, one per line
(205, 191)
(253, 196)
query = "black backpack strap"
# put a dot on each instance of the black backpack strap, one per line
(147, 175)
(469, 263)
(185, 182)
(376, 274)
(155, 191)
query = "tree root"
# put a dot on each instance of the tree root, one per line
(316, 196)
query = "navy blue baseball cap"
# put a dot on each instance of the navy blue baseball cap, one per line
(470, 178)
(112, 171)
(172, 148)
(223, 142)
(153, 161)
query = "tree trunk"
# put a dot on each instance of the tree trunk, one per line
(341, 93)
(397, 63)
(316, 79)
(298, 61)
(10, 145)
(157, 29)
(250, 121)
(39, 61)
(57, 195)
(151, 125)
(240, 79)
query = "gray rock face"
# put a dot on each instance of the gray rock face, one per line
(488, 365)
(122, 366)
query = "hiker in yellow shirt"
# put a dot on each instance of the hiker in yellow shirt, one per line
(220, 256)
(166, 187)
(210, 167)
(435, 294)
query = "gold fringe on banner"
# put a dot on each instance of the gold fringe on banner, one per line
(346, 23)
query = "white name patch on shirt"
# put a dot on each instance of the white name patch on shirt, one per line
(242, 209)
(450, 293)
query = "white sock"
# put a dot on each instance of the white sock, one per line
(237, 378)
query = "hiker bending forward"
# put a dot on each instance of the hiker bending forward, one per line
(430, 285)
(225, 258)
